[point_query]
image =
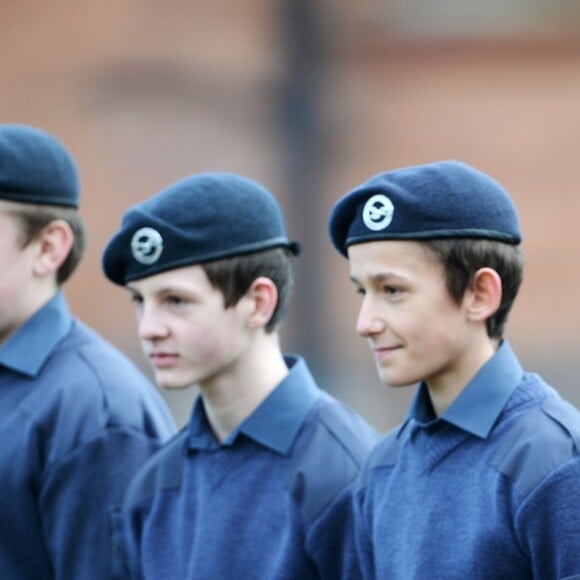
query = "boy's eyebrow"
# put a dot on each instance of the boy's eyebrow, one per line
(162, 291)
(380, 277)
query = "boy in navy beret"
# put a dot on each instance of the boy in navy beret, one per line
(77, 417)
(258, 485)
(481, 479)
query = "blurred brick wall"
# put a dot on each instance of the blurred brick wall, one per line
(512, 111)
(144, 93)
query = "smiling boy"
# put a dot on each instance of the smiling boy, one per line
(258, 485)
(480, 481)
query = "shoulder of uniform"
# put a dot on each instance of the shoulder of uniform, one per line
(111, 381)
(163, 470)
(540, 441)
(331, 457)
(347, 431)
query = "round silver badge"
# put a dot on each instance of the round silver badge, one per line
(146, 245)
(377, 212)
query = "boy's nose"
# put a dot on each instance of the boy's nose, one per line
(150, 326)
(368, 323)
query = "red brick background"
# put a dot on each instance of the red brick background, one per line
(146, 92)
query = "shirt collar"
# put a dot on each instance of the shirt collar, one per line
(29, 347)
(275, 422)
(478, 406)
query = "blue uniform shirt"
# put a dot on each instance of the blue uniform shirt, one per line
(272, 501)
(77, 419)
(488, 491)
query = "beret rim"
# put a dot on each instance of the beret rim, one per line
(19, 197)
(433, 235)
(192, 260)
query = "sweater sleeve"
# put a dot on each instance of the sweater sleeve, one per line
(331, 540)
(363, 542)
(548, 524)
(337, 451)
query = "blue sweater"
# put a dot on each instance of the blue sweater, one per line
(490, 491)
(77, 420)
(273, 501)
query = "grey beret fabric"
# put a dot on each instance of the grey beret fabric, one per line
(35, 167)
(201, 218)
(445, 199)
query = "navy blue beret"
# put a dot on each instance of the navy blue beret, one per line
(446, 199)
(201, 218)
(36, 168)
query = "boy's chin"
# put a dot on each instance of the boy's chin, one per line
(170, 383)
(395, 382)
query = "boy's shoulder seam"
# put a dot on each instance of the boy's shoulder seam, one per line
(539, 442)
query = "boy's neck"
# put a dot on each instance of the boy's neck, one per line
(444, 392)
(31, 299)
(234, 396)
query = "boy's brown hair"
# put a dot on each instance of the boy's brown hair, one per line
(233, 277)
(461, 258)
(34, 218)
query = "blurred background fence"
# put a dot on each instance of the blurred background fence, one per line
(310, 98)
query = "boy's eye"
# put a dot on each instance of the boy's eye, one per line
(136, 299)
(391, 290)
(175, 300)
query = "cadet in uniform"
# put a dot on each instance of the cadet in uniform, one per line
(480, 481)
(77, 417)
(259, 483)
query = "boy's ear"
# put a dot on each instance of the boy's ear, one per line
(484, 295)
(54, 242)
(264, 296)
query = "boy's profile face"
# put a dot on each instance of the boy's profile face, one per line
(414, 328)
(187, 334)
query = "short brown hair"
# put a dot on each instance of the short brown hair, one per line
(234, 276)
(34, 218)
(462, 258)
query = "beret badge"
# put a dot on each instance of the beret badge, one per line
(146, 245)
(378, 212)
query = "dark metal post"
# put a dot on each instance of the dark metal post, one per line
(302, 117)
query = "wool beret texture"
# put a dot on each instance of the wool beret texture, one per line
(446, 199)
(36, 168)
(201, 218)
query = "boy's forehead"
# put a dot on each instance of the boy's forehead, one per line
(187, 277)
(10, 213)
(9, 207)
(388, 258)
(7, 216)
